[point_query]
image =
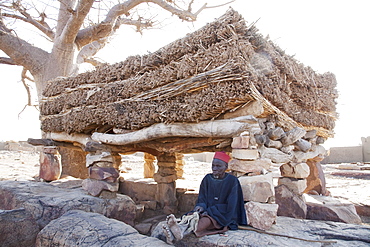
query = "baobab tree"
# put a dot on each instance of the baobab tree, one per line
(77, 30)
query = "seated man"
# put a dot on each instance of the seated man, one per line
(219, 207)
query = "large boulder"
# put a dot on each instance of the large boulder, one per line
(261, 215)
(47, 202)
(17, 228)
(257, 188)
(79, 228)
(328, 208)
(290, 204)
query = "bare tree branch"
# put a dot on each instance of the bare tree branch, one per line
(140, 24)
(75, 22)
(2, 25)
(182, 14)
(7, 60)
(23, 79)
(22, 53)
(41, 25)
(90, 50)
(112, 21)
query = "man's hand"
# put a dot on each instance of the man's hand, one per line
(199, 209)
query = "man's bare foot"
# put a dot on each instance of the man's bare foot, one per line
(169, 236)
(174, 227)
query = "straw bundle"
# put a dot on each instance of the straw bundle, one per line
(207, 73)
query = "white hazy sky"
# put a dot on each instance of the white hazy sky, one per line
(327, 35)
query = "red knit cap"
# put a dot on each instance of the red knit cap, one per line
(222, 156)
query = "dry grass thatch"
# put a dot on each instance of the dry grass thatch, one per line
(209, 72)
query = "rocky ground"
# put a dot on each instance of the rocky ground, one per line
(19, 166)
(346, 185)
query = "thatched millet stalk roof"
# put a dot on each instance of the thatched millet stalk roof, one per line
(209, 72)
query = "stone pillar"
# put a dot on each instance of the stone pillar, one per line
(73, 162)
(256, 182)
(166, 182)
(50, 167)
(149, 168)
(316, 183)
(180, 165)
(103, 176)
(290, 189)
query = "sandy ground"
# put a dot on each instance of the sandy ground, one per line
(24, 165)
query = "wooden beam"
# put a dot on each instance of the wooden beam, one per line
(224, 128)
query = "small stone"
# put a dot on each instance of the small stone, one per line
(257, 188)
(276, 133)
(245, 154)
(274, 155)
(293, 135)
(143, 228)
(296, 185)
(260, 139)
(294, 170)
(95, 187)
(287, 149)
(108, 174)
(106, 157)
(249, 166)
(240, 142)
(310, 134)
(261, 215)
(273, 144)
(317, 150)
(303, 145)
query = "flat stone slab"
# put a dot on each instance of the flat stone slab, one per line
(46, 202)
(79, 228)
(308, 231)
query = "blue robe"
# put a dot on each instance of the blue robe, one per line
(223, 200)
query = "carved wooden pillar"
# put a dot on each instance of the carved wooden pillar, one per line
(149, 168)
(103, 176)
(166, 180)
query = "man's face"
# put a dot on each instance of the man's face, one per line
(218, 168)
